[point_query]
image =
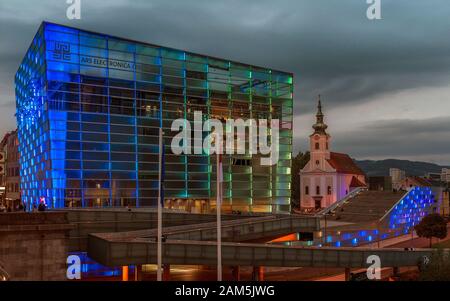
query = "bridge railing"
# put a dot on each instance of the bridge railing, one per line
(337, 204)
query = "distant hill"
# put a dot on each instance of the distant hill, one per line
(381, 168)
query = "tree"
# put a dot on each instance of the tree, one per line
(432, 225)
(298, 163)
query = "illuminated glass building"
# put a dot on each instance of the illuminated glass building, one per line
(89, 107)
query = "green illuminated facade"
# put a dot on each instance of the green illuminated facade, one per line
(89, 107)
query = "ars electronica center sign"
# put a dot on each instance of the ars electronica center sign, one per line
(62, 52)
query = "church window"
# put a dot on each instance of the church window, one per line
(329, 190)
(317, 162)
(317, 146)
(317, 190)
(306, 190)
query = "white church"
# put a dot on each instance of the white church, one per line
(327, 177)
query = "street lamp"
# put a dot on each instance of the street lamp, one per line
(325, 228)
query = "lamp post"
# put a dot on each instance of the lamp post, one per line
(379, 234)
(160, 204)
(219, 178)
(325, 231)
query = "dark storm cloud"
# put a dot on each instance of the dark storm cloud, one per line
(330, 45)
(394, 138)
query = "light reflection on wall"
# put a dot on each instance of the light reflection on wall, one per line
(400, 220)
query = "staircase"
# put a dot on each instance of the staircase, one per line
(366, 206)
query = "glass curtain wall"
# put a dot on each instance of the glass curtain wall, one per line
(89, 108)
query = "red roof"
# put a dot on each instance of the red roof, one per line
(357, 183)
(344, 164)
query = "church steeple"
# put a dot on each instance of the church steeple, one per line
(320, 127)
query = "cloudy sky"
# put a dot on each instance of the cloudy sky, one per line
(385, 83)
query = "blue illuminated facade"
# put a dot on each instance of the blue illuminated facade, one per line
(89, 107)
(400, 220)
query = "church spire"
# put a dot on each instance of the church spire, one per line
(320, 127)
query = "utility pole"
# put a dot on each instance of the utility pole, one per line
(219, 192)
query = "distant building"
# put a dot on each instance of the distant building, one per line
(3, 168)
(445, 205)
(9, 169)
(380, 183)
(12, 169)
(328, 176)
(397, 176)
(445, 175)
(434, 176)
(410, 182)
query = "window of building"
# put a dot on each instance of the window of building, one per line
(317, 146)
(317, 190)
(317, 162)
(329, 190)
(242, 162)
(306, 190)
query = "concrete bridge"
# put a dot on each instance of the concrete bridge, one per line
(34, 246)
(245, 229)
(190, 240)
(86, 221)
(143, 251)
(180, 225)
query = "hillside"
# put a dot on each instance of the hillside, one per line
(381, 168)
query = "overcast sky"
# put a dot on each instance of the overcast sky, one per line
(385, 83)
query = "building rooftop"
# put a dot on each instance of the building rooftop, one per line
(344, 164)
(168, 48)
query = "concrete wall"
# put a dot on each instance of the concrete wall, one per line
(34, 246)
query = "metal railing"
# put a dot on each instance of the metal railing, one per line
(337, 204)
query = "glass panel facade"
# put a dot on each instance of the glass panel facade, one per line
(89, 107)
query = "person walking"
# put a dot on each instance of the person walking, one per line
(42, 207)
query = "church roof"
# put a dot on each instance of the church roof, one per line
(357, 183)
(344, 164)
